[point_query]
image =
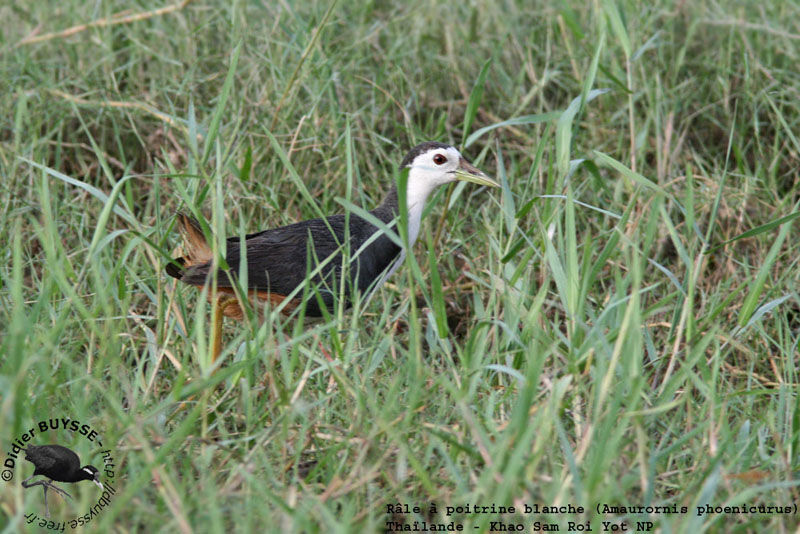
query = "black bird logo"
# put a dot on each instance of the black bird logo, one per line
(58, 464)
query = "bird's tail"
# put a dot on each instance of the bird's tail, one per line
(195, 246)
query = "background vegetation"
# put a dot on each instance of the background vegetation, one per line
(586, 335)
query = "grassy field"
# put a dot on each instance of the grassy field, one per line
(619, 325)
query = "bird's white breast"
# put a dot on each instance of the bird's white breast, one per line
(416, 195)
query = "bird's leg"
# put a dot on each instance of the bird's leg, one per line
(215, 335)
(58, 490)
(44, 484)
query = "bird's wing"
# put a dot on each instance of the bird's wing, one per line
(39, 457)
(47, 456)
(276, 258)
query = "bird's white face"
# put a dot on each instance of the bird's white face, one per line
(95, 474)
(438, 166)
(433, 168)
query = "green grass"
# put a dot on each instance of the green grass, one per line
(575, 337)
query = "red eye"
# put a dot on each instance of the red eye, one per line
(439, 159)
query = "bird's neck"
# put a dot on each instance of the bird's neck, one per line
(415, 202)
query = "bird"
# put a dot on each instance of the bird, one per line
(59, 464)
(280, 259)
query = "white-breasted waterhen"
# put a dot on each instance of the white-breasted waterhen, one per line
(277, 259)
(59, 464)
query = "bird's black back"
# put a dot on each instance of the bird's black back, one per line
(53, 461)
(278, 259)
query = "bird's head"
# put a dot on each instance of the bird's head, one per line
(433, 164)
(90, 472)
